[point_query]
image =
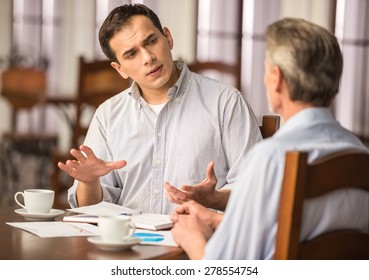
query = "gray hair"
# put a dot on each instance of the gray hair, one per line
(309, 58)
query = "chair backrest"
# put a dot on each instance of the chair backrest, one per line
(302, 181)
(218, 70)
(23, 88)
(98, 81)
(270, 124)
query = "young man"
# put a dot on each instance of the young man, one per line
(303, 66)
(170, 125)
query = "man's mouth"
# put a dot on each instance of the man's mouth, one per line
(155, 70)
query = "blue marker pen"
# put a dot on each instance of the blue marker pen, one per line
(149, 237)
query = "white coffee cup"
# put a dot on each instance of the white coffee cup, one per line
(36, 201)
(115, 229)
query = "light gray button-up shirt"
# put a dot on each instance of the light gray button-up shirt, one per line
(249, 227)
(203, 120)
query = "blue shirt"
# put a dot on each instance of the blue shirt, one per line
(203, 120)
(249, 225)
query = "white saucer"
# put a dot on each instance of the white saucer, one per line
(39, 216)
(108, 246)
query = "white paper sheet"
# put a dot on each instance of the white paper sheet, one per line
(63, 229)
(57, 229)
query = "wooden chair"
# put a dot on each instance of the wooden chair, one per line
(25, 90)
(270, 125)
(219, 70)
(302, 181)
(97, 82)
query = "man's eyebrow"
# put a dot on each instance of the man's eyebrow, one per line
(127, 52)
(144, 42)
(148, 38)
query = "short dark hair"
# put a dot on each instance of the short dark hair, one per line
(119, 17)
(309, 57)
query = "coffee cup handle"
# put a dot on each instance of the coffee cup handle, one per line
(132, 229)
(16, 199)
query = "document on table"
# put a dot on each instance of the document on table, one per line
(57, 229)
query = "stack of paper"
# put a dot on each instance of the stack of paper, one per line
(152, 221)
(90, 214)
(105, 208)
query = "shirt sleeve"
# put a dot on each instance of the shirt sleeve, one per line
(249, 226)
(241, 130)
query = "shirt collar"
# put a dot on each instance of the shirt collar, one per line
(308, 116)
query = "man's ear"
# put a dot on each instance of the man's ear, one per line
(278, 79)
(169, 37)
(117, 67)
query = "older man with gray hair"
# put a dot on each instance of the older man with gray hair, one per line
(303, 66)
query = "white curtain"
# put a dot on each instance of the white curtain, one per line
(257, 14)
(352, 30)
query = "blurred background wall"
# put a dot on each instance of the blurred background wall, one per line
(56, 32)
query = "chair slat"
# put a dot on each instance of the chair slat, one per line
(302, 181)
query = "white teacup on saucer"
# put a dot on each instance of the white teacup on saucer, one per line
(36, 201)
(115, 229)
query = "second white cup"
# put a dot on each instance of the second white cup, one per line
(115, 229)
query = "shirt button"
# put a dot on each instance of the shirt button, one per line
(159, 134)
(158, 162)
(156, 191)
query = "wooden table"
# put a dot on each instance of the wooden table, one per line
(17, 244)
